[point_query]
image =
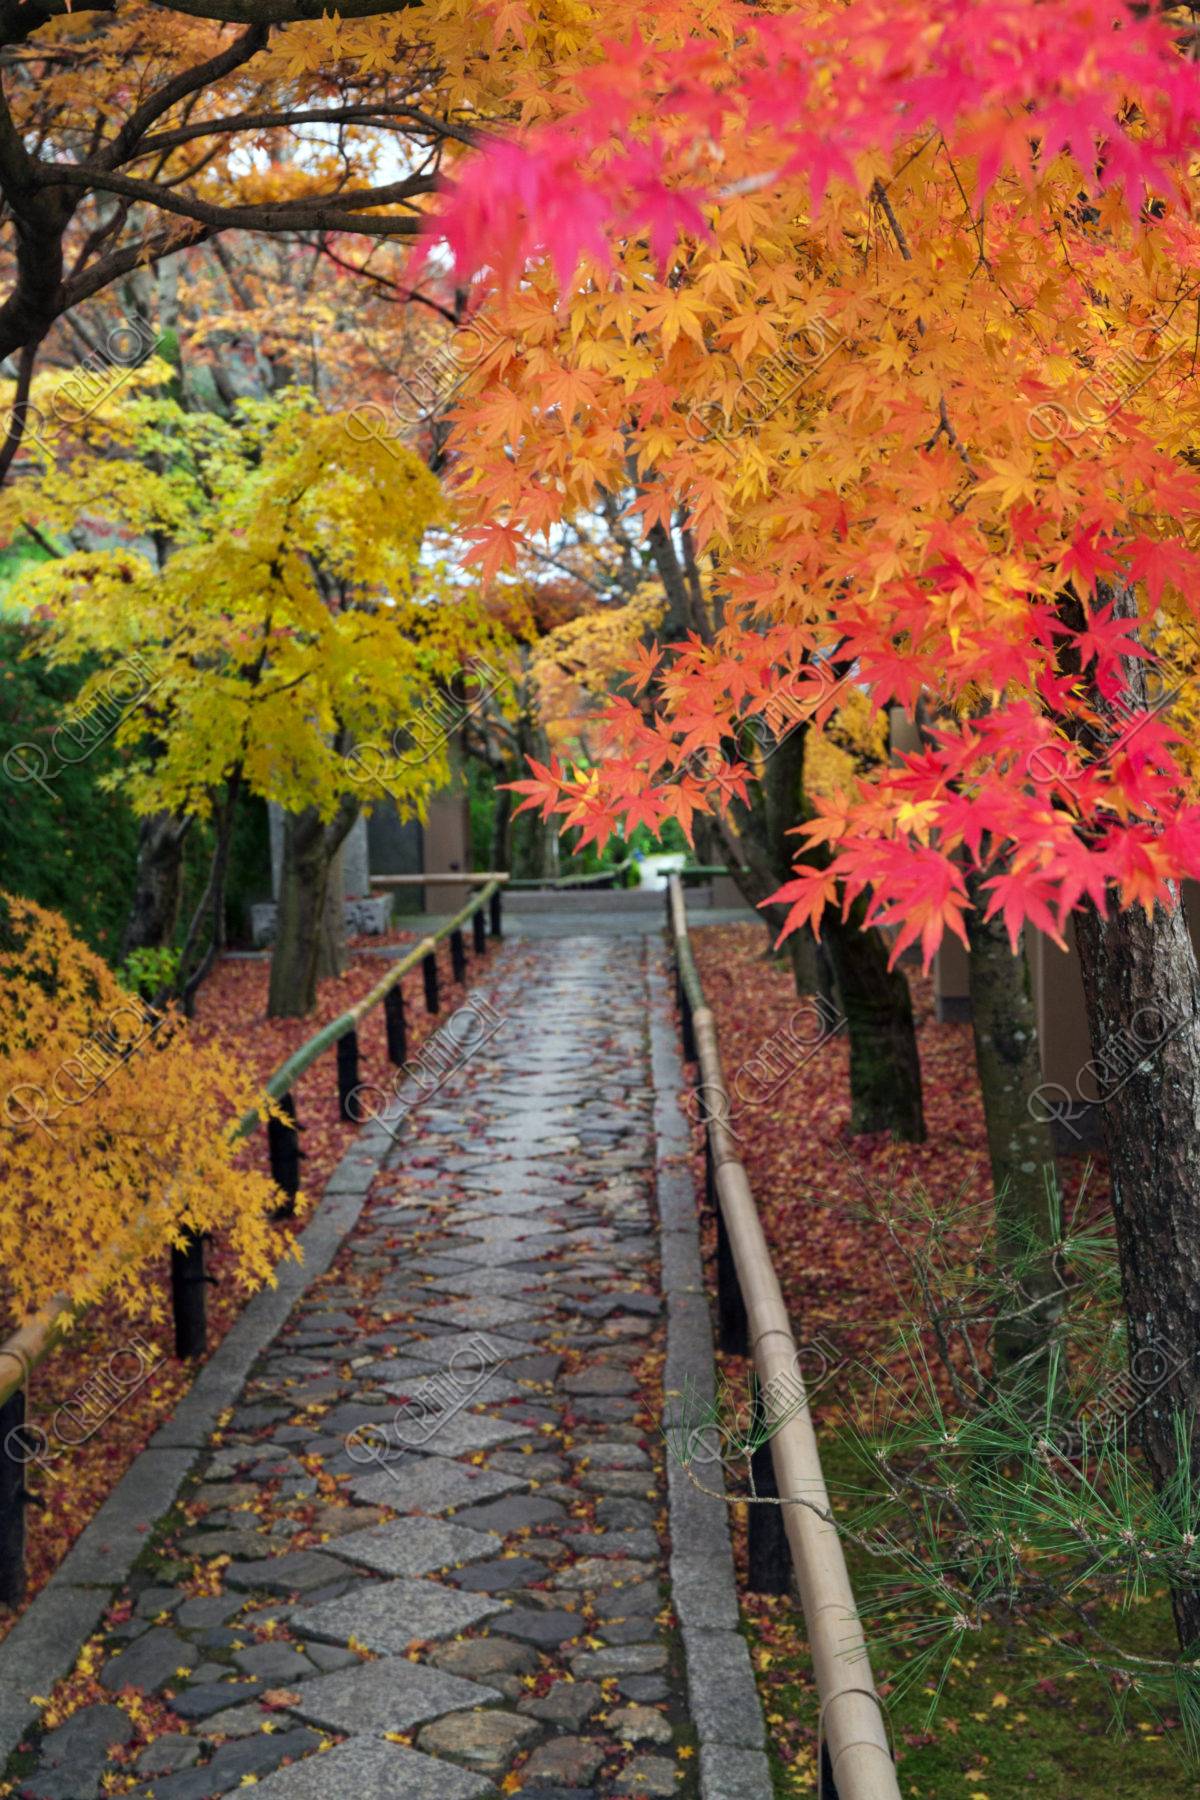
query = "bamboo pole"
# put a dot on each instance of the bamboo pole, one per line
(853, 1727)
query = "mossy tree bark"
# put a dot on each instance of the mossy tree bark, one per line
(309, 847)
(158, 883)
(1143, 1004)
(849, 966)
(1020, 1147)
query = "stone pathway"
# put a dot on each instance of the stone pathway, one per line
(426, 1556)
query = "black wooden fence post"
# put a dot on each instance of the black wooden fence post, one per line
(283, 1147)
(731, 1308)
(188, 1299)
(429, 969)
(458, 955)
(685, 1016)
(396, 1025)
(12, 1501)
(347, 1072)
(768, 1560)
(478, 932)
(495, 911)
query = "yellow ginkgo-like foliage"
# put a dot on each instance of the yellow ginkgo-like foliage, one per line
(261, 596)
(114, 1132)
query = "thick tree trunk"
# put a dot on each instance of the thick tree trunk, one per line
(885, 1069)
(332, 955)
(1019, 1146)
(850, 963)
(1143, 1003)
(158, 885)
(309, 847)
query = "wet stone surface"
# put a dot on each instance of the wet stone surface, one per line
(427, 1555)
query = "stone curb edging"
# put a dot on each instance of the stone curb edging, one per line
(722, 1692)
(46, 1640)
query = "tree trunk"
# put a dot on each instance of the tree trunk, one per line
(501, 827)
(885, 1069)
(309, 847)
(1024, 1177)
(212, 903)
(154, 911)
(332, 955)
(1143, 1004)
(850, 963)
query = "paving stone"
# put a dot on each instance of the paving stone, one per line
(641, 1544)
(208, 1671)
(624, 1514)
(653, 1776)
(512, 1514)
(301, 1572)
(329, 1656)
(213, 1697)
(568, 1761)
(627, 1631)
(637, 1600)
(639, 1725)
(73, 1756)
(244, 1544)
(232, 1766)
(388, 1616)
(451, 1434)
(154, 1600)
(647, 1688)
(275, 1662)
(480, 1315)
(547, 1629)
(433, 1486)
(500, 1575)
(168, 1754)
(637, 1484)
(370, 1769)
(336, 1521)
(604, 1454)
(496, 1661)
(567, 1703)
(150, 1663)
(486, 1741)
(416, 1546)
(620, 1659)
(598, 1380)
(239, 1721)
(592, 1572)
(392, 1694)
(197, 1614)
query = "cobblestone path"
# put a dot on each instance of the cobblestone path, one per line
(426, 1557)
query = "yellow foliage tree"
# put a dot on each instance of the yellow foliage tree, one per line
(114, 1132)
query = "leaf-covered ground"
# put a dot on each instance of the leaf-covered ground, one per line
(74, 1482)
(1009, 1724)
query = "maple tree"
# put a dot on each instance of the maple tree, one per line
(105, 1169)
(271, 581)
(899, 303)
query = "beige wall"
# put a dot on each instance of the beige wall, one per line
(447, 841)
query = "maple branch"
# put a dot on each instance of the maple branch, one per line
(325, 212)
(367, 113)
(189, 81)
(123, 262)
(383, 281)
(879, 194)
(19, 19)
(20, 408)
